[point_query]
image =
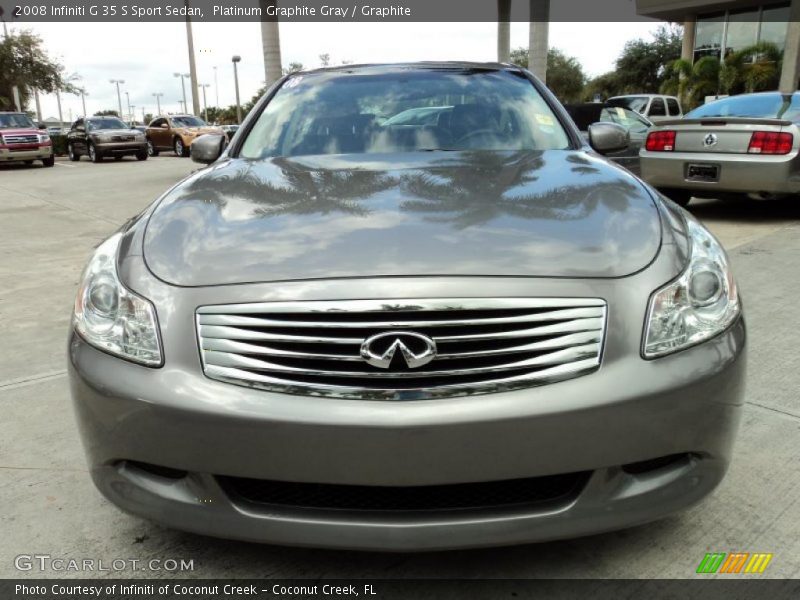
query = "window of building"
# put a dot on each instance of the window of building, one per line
(774, 22)
(742, 31)
(735, 31)
(708, 36)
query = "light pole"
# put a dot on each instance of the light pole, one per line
(183, 77)
(128, 102)
(235, 59)
(132, 114)
(119, 96)
(192, 67)
(157, 96)
(203, 86)
(182, 104)
(216, 86)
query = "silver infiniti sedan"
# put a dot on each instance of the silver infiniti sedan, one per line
(351, 333)
(747, 144)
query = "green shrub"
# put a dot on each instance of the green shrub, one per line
(59, 144)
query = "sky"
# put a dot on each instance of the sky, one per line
(146, 56)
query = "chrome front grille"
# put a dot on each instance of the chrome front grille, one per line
(329, 348)
(21, 139)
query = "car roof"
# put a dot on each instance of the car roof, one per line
(431, 65)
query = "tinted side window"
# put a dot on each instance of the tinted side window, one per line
(657, 108)
(158, 122)
(674, 109)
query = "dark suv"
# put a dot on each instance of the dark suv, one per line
(98, 137)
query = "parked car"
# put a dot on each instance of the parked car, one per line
(635, 124)
(229, 129)
(747, 144)
(176, 133)
(98, 137)
(347, 335)
(656, 107)
(22, 140)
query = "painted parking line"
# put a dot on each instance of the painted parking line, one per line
(58, 164)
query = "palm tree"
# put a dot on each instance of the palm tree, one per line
(693, 82)
(751, 69)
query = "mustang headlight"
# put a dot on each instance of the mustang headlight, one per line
(699, 304)
(111, 317)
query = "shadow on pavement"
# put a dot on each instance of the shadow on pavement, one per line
(746, 210)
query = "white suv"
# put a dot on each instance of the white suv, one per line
(655, 107)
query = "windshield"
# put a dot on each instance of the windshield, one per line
(637, 103)
(16, 121)
(404, 111)
(187, 122)
(766, 106)
(630, 120)
(105, 123)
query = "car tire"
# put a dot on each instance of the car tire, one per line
(180, 149)
(94, 154)
(151, 149)
(142, 155)
(678, 196)
(49, 162)
(73, 156)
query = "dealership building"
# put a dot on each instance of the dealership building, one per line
(715, 28)
(711, 28)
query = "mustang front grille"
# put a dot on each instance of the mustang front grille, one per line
(401, 349)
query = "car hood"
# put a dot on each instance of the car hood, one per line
(23, 131)
(199, 130)
(113, 132)
(532, 214)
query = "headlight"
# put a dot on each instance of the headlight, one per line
(699, 304)
(43, 137)
(111, 317)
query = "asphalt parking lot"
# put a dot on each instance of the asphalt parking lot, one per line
(50, 219)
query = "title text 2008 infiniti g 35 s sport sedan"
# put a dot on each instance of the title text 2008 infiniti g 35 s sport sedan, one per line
(466, 329)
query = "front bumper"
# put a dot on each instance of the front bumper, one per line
(121, 148)
(631, 410)
(738, 173)
(9, 154)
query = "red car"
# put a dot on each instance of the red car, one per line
(21, 140)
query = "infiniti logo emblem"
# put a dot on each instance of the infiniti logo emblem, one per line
(710, 140)
(416, 349)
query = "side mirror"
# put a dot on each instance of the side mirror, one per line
(608, 137)
(42, 126)
(207, 148)
(165, 126)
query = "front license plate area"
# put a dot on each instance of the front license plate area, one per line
(702, 172)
